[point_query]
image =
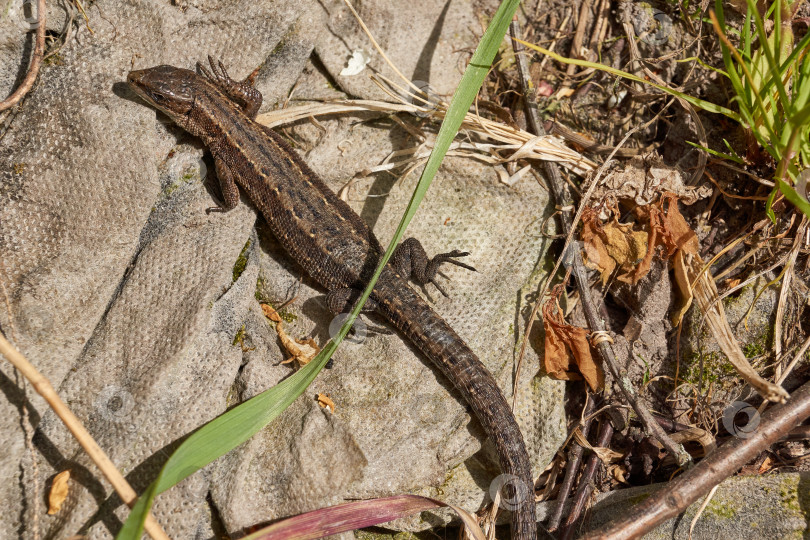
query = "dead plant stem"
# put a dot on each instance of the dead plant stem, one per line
(33, 67)
(572, 467)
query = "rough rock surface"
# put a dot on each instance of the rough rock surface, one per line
(120, 288)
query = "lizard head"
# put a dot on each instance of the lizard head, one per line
(167, 88)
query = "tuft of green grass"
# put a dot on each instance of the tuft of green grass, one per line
(770, 76)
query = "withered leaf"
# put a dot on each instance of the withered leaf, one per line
(325, 402)
(567, 347)
(59, 491)
(611, 245)
(666, 227)
(301, 350)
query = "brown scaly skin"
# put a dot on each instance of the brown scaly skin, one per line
(330, 241)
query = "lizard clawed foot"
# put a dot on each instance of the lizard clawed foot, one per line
(411, 261)
(243, 93)
(451, 258)
(218, 74)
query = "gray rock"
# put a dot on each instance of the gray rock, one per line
(120, 288)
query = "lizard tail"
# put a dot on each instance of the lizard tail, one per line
(436, 339)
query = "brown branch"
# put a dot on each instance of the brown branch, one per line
(572, 467)
(586, 486)
(698, 481)
(36, 61)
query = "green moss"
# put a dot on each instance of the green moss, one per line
(239, 338)
(716, 369)
(259, 287)
(190, 175)
(241, 262)
(721, 509)
(760, 346)
(233, 396)
(54, 60)
(287, 316)
(789, 494)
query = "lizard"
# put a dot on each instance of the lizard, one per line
(325, 236)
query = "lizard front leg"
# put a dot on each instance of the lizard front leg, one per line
(230, 191)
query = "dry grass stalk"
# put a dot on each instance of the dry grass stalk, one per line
(704, 292)
(510, 142)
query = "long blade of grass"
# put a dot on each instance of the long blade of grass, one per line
(705, 105)
(793, 196)
(749, 78)
(791, 62)
(765, 43)
(231, 429)
(715, 153)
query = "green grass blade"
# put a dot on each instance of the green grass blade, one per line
(730, 157)
(792, 195)
(234, 427)
(791, 60)
(765, 44)
(726, 46)
(705, 105)
(702, 64)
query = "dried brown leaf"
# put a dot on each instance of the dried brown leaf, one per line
(301, 350)
(567, 347)
(667, 228)
(612, 245)
(325, 402)
(59, 491)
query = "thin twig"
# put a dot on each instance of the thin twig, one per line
(36, 62)
(681, 492)
(783, 294)
(585, 487)
(699, 513)
(579, 35)
(572, 467)
(107, 467)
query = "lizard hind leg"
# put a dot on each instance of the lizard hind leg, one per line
(343, 301)
(243, 93)
(411, 261)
